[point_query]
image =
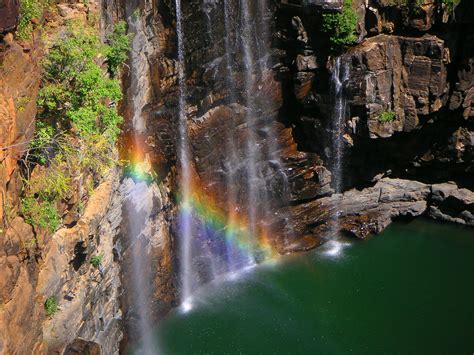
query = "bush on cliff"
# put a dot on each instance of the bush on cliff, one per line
(387, 116)
(77, 122)
(118, 45)
(29, 10)
(342, 26)
(51, 306)
(77, 95)
(42, 214)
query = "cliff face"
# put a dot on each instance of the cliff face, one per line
(19, 85)
(412, 64)
(37, 266)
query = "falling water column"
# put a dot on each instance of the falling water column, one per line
(254, 184)
(138, 197)
(340, 75)
(185, 217)
(233, 162)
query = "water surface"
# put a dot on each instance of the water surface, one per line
(409, 290)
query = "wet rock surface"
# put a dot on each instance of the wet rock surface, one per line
(410, 62)
(371, 210)
(413, 62)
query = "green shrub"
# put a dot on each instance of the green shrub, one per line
(29, 10)
(76, 93)
(341, 27)
(119, 44)
(387, 116)
(96, 260)
(51, 306)
(136, 14)
(450, 4)
(78, 122)
(43, 214)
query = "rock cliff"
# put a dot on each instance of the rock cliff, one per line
(55, 298)
(408, 143)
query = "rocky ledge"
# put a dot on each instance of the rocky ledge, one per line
(371, 210)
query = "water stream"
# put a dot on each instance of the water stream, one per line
(137, 195)
(339, 76)
(214, 242)
(185, 217)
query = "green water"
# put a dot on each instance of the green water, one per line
(407, 291)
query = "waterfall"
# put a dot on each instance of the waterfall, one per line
(254, 181)
(233, 259)
(185, 216)
(265, 168)
(340, 75)
(229, 233)
(138, 195)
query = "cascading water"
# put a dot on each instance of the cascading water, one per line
(340, 75)
(229, 234)
(232, 258)
(185, 217)
(253, 151)
(138, 196)
(265, 173)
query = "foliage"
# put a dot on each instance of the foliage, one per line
(450, 4)
(96, 260)
(119, 44)
(387, 116)
(341, 27)
(21, 103)
(136, 14)
(42, 143)
(52, 184)
(43, 214)
(29, 10)
(77, 124)
(76, 93)
(51, 306)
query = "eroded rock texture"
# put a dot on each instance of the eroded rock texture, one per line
(414, 65)
(411, 61)
(414, 61)
(34, 265)
(9, 11)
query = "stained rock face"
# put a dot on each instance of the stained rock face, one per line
(369, 211)
(34, 265)
(79, 286)
(409, 90)
(406, 76)
(9, 11)
(60, 267)
(19, 85)
(145, 255)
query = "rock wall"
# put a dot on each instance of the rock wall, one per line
(413, 61)
(145, 194)
(36, 266)
(9, 10)
(409, 60)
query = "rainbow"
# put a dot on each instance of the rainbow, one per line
(231, 228)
